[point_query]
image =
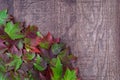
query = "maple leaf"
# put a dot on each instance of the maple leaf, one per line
(49, 37)
(13, 30)
(38, 64)
(42, 77)
(3, 16)
(39, 34)
(2, 67)
(70, 75)
(30, 32)
(57, 70)
(34, 49)
(56, 48)
(44, 45)
(66, 57)
(31, 44)
(45, 42)
(2, 77)
(16, 62)
(29, 56)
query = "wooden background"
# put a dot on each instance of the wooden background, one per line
(89, 27)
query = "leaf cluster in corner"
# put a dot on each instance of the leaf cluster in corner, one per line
(26, 54)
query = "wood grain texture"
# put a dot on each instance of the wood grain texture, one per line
(99, 53)
(90, 27)
(7, 4)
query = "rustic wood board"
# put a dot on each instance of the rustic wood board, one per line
(89, 27)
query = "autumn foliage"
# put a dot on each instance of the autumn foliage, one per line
(26, 54)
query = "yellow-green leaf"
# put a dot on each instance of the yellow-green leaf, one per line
(70, 75)
(13, 30)
(57, 70)
(38, 65)
(16, 62)
(2, 77)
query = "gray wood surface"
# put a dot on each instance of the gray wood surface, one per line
(89, 27)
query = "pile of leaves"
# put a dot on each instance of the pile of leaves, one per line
(26, 54)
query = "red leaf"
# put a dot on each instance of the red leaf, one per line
(57, 40)
(78, 79)
(77, 70)
(30, 31)
(36, 50)
(2, 45)
(49, 37)
(35, 42)
(38, 40)
(48, 73)
(42, 77)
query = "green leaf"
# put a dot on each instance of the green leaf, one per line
(70, 75)
(37, 64)
(2, 77)
(17, 77)
(3, 16)
(56, 48)
(2, 68)
(16, 62)
(53, 61)
(39, 34)
(27, 41)
(44, 45)
(26, 79)
(38, 59)
(63, 54)
(30, 56)
(57, 70)
(13, 31)
(38, 67)
(30, 75)
(66, 57)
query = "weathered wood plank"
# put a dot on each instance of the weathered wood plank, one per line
(97, 25)
(40, 12)
(7, 4)
(89, 27)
